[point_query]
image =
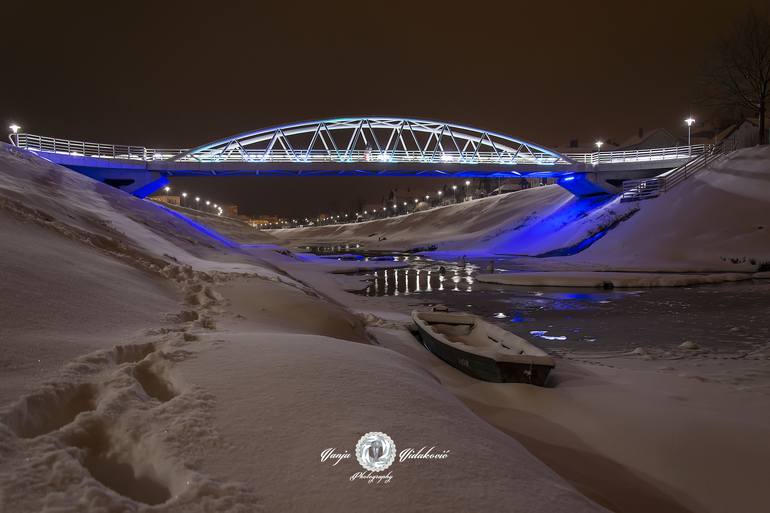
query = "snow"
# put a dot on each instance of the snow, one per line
(152, 364)
(461, 226)
(715, 221)
(179, 371)
(630, 432)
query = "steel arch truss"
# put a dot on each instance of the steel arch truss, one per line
(372, 140)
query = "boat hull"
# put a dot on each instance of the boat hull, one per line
(487, 369)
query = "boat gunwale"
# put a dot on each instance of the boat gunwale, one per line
(498, 354)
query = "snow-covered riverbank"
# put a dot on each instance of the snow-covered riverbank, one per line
(148, 361)
(145, 362)
(716, 221)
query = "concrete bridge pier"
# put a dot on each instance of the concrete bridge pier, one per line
(588, 184)
(140, 183)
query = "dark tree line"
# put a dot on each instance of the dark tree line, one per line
(737, 74)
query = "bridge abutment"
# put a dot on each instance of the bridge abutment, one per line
(587, 184)
(140, 183)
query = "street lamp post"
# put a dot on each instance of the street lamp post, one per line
(598, 150)
(15, 129)
(689, 121)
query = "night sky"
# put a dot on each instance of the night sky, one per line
(178, 74)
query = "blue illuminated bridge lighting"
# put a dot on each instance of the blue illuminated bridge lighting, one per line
(359, 146)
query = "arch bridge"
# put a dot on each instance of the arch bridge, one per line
(381, 146)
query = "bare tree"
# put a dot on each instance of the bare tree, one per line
(737, 75)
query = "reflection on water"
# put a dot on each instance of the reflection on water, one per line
(333, 249)
(424, 276)
(730, 316)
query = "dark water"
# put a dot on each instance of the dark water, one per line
(726, 317)
(730, 317)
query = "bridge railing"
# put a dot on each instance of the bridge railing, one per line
(288, 154)
(112, 151)
(642, 155)
(636, 190)
(89, 149)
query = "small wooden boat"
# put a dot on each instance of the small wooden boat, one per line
(481, 349)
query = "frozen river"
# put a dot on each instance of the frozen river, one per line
(730, 317)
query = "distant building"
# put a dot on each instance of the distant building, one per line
(230, 210)
(705, 132)
(576, 146)
(263, 221)
(646, 140)
(168, 199)
(743, 134)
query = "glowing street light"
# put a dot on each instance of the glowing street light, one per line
(467, 183)
(689, 121)
(184, 194)
(208, 203)
(197, 198)
(15, 129)
(598, 149)
(167, 188)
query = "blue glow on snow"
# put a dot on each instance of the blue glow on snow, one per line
(577, 248)
(564, 215)
(204, 230)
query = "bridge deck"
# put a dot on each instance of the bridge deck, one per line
(436, 149)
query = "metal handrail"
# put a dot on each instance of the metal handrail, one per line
(636, 190)
(141, 153)
(641, 155)
(88, 149)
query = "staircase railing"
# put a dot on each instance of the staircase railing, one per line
(647, 188)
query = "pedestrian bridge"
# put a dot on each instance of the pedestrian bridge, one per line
(380, 146)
